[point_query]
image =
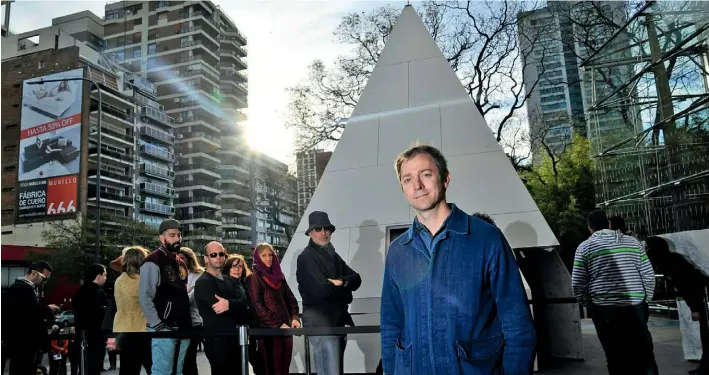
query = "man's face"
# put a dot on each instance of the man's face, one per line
(421, 183)
(215, 256)
(41, 277)
(320, 236)
(171, 239)
(101, 279)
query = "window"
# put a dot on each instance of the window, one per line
(42, 65)
(8, 211)
(151, 50)
(9, 168)
(7, 190)
(9, 148)
(136, 53)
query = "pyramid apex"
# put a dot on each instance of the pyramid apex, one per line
(409, 40)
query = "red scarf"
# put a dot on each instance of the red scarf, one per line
(276, 286)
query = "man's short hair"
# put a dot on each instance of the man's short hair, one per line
(92, 271)
(39, 266)
(617, 223)
(485, 217)
(597, 220)
(418, 149)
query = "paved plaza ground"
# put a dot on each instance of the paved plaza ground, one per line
(665, 334)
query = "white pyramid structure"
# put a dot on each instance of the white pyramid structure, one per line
(412, 95)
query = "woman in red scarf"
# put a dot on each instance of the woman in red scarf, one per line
(274, 306)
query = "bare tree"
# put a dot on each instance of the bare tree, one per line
(479, 39)
(276, 198)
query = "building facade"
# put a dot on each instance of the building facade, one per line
(310, 168)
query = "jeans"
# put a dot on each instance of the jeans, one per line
(624, 328)
(164, 355)
(328, 352)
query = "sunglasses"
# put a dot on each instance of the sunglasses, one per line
(319, 229)
(42, 276)
(219, 254)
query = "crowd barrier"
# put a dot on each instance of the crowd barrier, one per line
(244, 333)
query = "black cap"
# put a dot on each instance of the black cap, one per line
(169, 224)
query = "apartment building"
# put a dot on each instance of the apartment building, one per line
(551, 78)
(274, 201)
(195, 55)
(310, 168)
(132, 126)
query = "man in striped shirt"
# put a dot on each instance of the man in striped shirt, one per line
(613, 278)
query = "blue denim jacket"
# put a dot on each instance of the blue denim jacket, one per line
(461, 310)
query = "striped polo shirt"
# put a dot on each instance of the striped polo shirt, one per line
(612, 269)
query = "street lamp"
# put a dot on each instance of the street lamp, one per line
(98, 154)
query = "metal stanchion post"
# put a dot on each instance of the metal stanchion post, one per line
(83, 353)
(244, 347)
(307, 356)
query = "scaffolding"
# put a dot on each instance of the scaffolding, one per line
(647, 96)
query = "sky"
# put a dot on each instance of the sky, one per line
(284, 37)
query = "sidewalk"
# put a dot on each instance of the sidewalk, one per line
(668, 351)
(665, 334)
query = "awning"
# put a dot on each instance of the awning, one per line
(17, 253)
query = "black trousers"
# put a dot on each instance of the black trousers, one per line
(223, 355)
(95, 353)
(622, 329)
(135, 352)
(22, 361)
(57, 366)
(190, 366)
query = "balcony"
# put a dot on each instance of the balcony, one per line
(235, 194)
(157, 152)
(157, 208)
(242, 240)
(200, 218)
(108, 154)
(236, 33)
(154, 114)
(195, 166)
(200, 135)
(106, 110)
(236, 209)
(123, 199)
(106, 130)
(107, 172)
(159, 135)
(239, 223)
(154, 170)
(155, 189)
(203, 201)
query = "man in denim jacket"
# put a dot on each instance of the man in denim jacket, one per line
(453, 301)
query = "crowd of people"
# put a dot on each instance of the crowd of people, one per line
(452, 300)
(169, 290)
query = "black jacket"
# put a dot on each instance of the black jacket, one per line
(163, 291)
(89, 304)
(205, 289)
(688, 280)
(23, 318)
(316, 264)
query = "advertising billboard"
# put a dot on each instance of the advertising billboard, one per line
(50, 146)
